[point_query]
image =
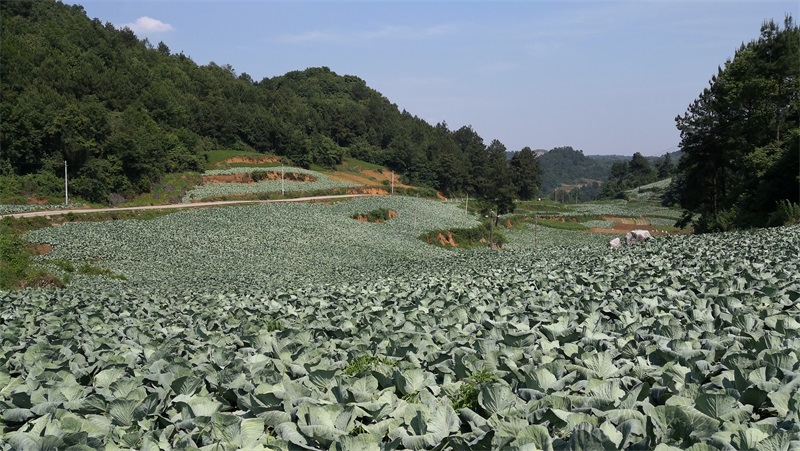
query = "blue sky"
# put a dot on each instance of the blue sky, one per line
(604, 77)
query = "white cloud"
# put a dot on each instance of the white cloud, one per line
(148, 25)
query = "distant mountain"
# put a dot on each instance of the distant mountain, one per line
(567, 166)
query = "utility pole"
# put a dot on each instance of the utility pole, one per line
(283, 190)
(393, 182)
(536, 230)
(66, 185)
(491, 229)
(466, 205)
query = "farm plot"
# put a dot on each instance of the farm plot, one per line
(683, 341)
(259, 245)
(213, 190)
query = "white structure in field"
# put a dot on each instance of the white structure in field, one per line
(637, 236)
(633, 237)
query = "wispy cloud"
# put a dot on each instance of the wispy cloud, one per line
(384, 33)
(148, 25)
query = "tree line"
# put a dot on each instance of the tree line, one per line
(740, 139)
(123, 112)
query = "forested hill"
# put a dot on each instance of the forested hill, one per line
(122, 112)
(565, 165)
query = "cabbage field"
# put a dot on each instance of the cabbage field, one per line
(280, 326)
(321, 182)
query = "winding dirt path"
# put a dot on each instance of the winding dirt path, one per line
(29, 214)
(624, 225)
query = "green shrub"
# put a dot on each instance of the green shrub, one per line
(258, 176)
(15, 261)
(364, 363)
(465, 238)
(16, 270)
(467, 394)
(787, 213)
(91, 270)
(379, 215)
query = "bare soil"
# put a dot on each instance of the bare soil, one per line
(367, 190)
(41, 249)
(447, 240)
(624, 225)
(367, 177)
(250, 160)
(268, 175)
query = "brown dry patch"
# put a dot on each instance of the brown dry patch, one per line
(37, 201)
(367, 177)
(41, 249)
(366, 190)
(447, 240)
(42, 280)
(625, 231)
(351, 177)
(385, 176)
(250, 160)
(624, 225)
(267, 175)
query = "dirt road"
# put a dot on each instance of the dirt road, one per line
(29, 214)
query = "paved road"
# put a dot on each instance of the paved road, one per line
(28, 214)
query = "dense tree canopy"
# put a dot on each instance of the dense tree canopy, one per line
(526, 173)
(565, 165)
(122, 112)
(740, 137)
(626, 175)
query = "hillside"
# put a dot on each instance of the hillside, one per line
(567, 166)
(570, 169)
(123, 113)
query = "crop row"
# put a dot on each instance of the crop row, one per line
(272, 327)
(322, 182)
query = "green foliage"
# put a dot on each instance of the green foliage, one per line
(15, 261)
(562, 225)
(787, 213)
(565, 165)
(16, 268)
(376, 216)
(91, 270)
(467, 394)
(365, 363)
(124, 113)
(739, 139)
(64, 265)
(465, 238)
(288, 326)
(625, 176)
(526, 173)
